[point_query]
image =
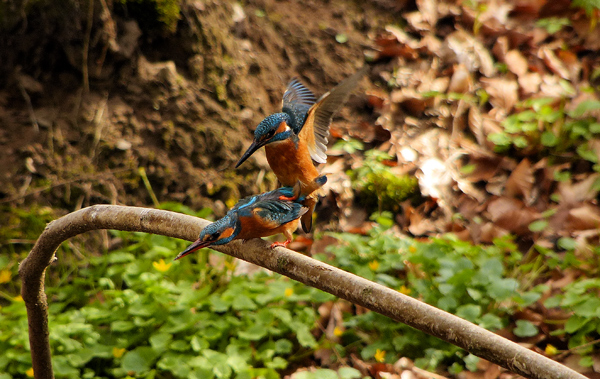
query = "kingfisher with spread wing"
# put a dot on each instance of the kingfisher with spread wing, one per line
(297, 136)
(257, 216)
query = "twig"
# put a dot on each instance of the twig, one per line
(355, 289)
(148, 186)
(86, 46)
(34, 122)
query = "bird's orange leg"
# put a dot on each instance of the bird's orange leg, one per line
(288, 236)
(284, 244)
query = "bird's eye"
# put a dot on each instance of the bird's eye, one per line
(270, 134)
(214, 236)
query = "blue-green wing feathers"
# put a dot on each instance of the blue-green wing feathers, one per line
(297, 100)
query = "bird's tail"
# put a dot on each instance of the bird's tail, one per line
(310, 202)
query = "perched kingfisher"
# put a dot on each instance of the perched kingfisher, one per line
(297, 136)
(257, 216)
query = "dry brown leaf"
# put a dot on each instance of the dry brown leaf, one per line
(554, 64)
(428, 8)
(551, 87)
(530, 83)
(512, 215)
(521, 180)
(470, 52)
(485, 168)
(503, 92)
(531, 7)
(411, 101)
(584, 217)
(402, 37)
(430, 44)
(591, 36)
(571, 61)
(420, 225)
(462, 81)
(581, 191)
(492, 372)
(495, 185)
(475, 123)
(500, 48)
(417, 21)
(516, 63)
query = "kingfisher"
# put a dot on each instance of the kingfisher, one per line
(297, 136)
(257, 216)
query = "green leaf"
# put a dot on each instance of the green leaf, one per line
(471, 362)
(586, 361)
(324, 373)
(567, 243)
(138, 360)
(119, 257)
(341, 38)
(538, 226)
(243, 302)
(305, 338)
(198, 343)
(585, 106)
(179, 345)
(500, 139)
(589, 308)
(160, 341)
(586, 153)
(283, 346)
(222, 370)
(349, 373)
(552, 302)
(562, 176)
(491, 322)
(277, 363)
(549, 139)
(525, 329)
(520, 142)
(469, 312)
(121, 326)
(503, 288)
(553, 24)
(254, 333)
(237, 363)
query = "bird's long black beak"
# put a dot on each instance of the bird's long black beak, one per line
(253, 147)
(199, 244)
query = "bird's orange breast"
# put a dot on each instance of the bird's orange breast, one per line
(292, 164)
(255, 227)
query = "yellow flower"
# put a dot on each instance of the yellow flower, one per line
(118, 353)
(374, 265)
(18, 299)
(5, 276)
(230, 265)
(380, 355)
(161, 265)
(288, 292)
(412, 249)
(29, 372)
(551, 350)
(231, 202)
(405, 290)
(337, 331)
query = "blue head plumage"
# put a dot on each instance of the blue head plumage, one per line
(267, 132)
(219, 232)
